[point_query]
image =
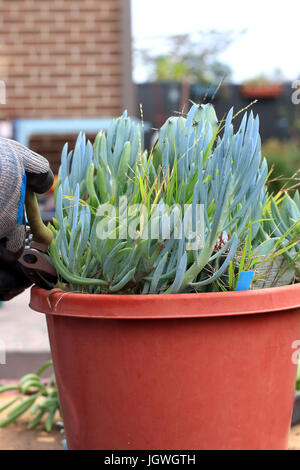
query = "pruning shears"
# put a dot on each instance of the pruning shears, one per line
(35, 261)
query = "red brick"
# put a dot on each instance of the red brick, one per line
(60, 57)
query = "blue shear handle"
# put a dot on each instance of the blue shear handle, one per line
(20, 210)
(244, 280)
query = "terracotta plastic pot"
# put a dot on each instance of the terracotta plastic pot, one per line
(261, 91)
(187, 371)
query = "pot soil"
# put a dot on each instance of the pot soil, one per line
(182, 371)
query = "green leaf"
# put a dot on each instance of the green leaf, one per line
(36, 420)
(19, 410)
(158, 273)
(117, 287)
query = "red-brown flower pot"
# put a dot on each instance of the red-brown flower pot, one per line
(183, 371)
(261, 91)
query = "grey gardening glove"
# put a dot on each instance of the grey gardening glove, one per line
(19, 168)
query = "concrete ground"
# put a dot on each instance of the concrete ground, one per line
(24, 344)
(24, 347)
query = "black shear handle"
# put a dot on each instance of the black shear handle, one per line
(43, 280)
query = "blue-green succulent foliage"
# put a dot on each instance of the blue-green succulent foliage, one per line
(196, 160)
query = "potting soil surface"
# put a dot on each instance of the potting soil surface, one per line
(17, 437)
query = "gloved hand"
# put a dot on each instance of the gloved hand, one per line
(19, 168)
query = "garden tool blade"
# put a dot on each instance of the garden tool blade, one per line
(37, 265)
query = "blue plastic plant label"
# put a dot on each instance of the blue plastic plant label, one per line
(244, 280)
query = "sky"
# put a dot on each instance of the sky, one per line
(271, 39)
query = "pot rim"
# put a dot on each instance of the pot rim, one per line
(157, 306)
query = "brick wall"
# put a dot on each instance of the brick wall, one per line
(61, 58)
(50, 146)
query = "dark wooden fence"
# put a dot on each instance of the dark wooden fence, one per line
(161, 100)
